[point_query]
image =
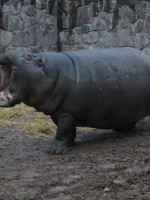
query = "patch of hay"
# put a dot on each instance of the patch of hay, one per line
(33, 123)
(146, 120)
(6, 123)
(17, 111)
(40, 128)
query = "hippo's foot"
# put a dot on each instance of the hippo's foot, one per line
(58, 147)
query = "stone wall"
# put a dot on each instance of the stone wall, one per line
(60, 25)
(107, 23)
(25, 25)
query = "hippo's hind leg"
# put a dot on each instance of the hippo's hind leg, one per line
(126, 128)
(65, 136)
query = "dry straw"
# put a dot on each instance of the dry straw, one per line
(33, 123)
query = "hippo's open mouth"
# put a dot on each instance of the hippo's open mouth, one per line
(5, 81)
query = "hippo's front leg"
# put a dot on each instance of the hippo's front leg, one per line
(65, 136)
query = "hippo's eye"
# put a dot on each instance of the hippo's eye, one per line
(28, 57)
(40, 62)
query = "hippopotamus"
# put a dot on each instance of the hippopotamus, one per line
(103, 88)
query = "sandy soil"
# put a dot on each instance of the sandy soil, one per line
(101, 165)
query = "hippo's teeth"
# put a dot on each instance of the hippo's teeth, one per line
(2, 96)
(5, 97)
(14, 67)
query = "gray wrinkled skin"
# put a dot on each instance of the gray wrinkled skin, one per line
(108, 88)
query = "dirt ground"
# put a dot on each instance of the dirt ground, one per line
(101, 165)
